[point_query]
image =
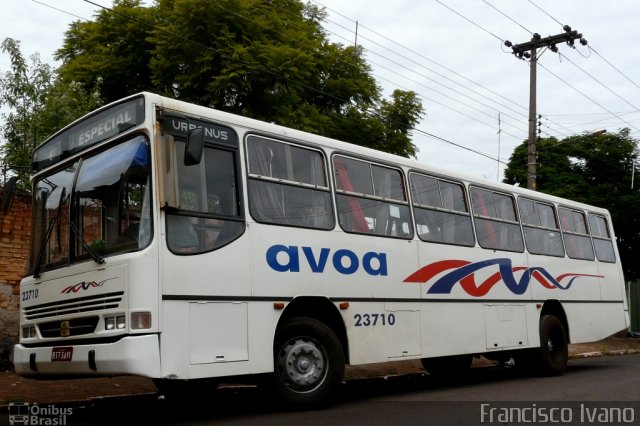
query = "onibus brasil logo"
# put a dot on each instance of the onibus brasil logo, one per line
(23, 413)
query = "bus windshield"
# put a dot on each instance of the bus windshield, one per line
(106, 211)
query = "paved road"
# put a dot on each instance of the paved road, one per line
(593, 391)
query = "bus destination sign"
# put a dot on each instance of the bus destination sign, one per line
(92, 130)
(180, 127)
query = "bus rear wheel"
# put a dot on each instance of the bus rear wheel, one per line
(308, 362)
(553, 354)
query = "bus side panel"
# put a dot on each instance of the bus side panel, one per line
(590, 322)
(452, 328)
(564, 279)
(293, 262)
(366, 271)
(215, 340)
(612, 282)
(466, 312)
(205, 308)
(222, 272)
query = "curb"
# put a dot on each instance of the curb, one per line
(605, 353)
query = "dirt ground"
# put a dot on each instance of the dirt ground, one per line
(14, 388)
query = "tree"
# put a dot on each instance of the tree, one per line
(112, 51)
(596, 170)
(267, 60)
(38, 105)
(22, 90)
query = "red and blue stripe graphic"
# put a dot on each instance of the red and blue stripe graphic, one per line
(463, 272)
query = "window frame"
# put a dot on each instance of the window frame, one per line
(288, 182)
(498, 220)
(453, 212)
(231, 147)
(541, 227)
(572, 233)
(609, 238)
(377, 198)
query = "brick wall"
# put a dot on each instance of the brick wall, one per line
(15, 237)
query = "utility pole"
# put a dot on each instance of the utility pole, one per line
(529, 50)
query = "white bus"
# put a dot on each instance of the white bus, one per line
(179, 242)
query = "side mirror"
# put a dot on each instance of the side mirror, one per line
(195, 147)
(7, 196)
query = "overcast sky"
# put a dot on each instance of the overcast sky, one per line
(451, 53)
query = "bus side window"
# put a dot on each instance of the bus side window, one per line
(601, 238)
(371, 199)
(288, 184)
(541, 230)
(575, 233)
(497, 225)
(209, 216)
(441, 212)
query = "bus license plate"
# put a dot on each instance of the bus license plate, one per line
(63, 353)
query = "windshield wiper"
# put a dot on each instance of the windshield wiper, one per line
(95, 256)
(36, 268)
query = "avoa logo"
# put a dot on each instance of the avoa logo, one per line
(283, 258)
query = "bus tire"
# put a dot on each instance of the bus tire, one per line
(553, 354)
(308, 363)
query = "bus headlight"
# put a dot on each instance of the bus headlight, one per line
(140, 320)
(28, 331)
(115, 322)
(109, 323)
(120, 322)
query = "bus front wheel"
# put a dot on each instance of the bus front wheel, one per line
(308, 362)
(553, 354)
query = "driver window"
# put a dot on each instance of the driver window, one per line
(208, 215)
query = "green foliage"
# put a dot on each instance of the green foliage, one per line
(111, 51)
(38, 105)
(266, 60)
(22, 91)
(596, 170)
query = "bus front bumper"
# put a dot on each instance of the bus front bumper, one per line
(131, 355)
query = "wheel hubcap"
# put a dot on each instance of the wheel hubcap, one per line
(302, 364)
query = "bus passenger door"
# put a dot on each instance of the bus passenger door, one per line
(205, 277)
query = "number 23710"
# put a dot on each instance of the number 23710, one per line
(372, 320)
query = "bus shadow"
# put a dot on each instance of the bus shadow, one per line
(239, 402)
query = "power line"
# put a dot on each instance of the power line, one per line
(469, 20)
(417, 82)
(60, 10)
(397, 85)
(543, 11)
(505, 42)
(613, 66)
(209, 48)
(600, 83)
(529, 50)
(586, 96)
(507, 16)
(424, 76)
(431, 135)
(418, 54)
(592, 49)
